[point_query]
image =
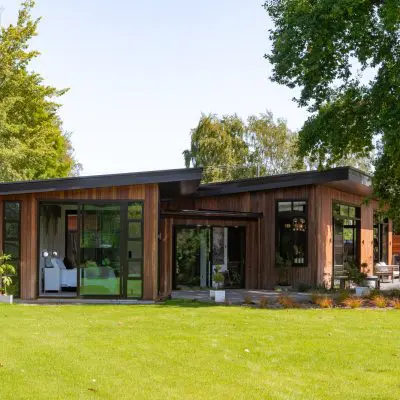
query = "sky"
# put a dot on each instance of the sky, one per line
(141, 72)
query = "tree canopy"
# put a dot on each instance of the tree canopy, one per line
(344, 56)
(33, 144)
(229, 148)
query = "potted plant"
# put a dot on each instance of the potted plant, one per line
(357, 276)
(6, 269)
(218, 280)
(283, 267)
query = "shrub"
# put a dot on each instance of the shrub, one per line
(303, 287)
(395, 293)
(379, 301)
(373, 293)
(396, 303)
(353, 302)
(324, 302)
(264, 302)
(343, 295)
(247, 300)
(286, 302)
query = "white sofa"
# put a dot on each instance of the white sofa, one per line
(57, 276)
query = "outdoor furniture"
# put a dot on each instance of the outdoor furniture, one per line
(388, 272)
(342, 281)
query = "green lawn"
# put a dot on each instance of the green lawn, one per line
(184, 351)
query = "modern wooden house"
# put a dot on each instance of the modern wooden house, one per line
(142, 235)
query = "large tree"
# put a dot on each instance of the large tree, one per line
(33, 144)
(344, 56)
(229, 148)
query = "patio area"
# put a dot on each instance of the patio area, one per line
(237, 296)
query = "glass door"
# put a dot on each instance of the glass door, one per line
(100, 261)
(133, 276)
(192, 258)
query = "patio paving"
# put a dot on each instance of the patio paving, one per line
(236, 296)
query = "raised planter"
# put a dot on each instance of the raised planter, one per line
(6, 298)
(363, 291)
(219, 296)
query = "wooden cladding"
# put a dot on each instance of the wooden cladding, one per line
(260, 236)
(29, 230)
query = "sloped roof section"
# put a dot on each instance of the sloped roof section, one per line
(347, 179)
(172, 182)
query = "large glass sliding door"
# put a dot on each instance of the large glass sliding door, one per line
(199, 250)
(91, 249)
(100, 250)
(346, 238)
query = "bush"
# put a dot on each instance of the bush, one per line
(353, 302)
(303, 287)
(379, 301)
(286, 302)
(343, 295)
(264, 302)
(396, 303)
(324, 302)
(373, 293)
(247, 300)
(395, 293)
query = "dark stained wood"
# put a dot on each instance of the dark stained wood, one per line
(260, 237)
(151, 213)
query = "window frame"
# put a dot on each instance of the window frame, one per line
(357, 218)
(17, 261)
(380, 222)
(291, 214)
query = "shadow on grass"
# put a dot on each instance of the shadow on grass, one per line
(190, 303)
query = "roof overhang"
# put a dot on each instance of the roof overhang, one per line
(343, 178)
(212, 214)
(174, 182)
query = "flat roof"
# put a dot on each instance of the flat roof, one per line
(347, 179)
(172, 182)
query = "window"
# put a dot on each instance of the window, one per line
(291, 237)
(135, 250)
(346, 236)
(381, 238)
(12, 239)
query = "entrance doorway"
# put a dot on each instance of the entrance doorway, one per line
(198, 250)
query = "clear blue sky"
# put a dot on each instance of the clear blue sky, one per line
(140, 73)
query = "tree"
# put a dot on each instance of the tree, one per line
(228, 148)
(33, 144)
(218, 145)
(344, 55)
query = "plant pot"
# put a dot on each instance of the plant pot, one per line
(362, 291)
(7, 298)
(219, 296)
(212, 294)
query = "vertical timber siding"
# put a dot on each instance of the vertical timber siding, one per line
(29, 239)
(260, 254)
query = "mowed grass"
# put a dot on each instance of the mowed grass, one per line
(190, 351)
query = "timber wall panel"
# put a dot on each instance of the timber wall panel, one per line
(261, 252)
(29, 216)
